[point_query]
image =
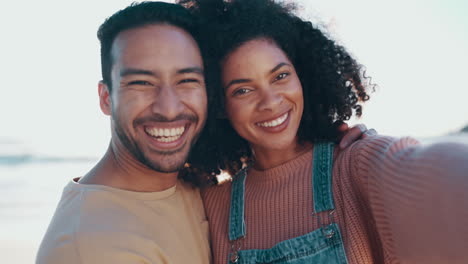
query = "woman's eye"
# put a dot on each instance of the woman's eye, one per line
(139, 83)
(281, 76)
(240, 91)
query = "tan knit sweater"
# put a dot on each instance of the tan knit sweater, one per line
(396, 202)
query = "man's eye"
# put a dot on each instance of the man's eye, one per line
(139, 83)
(281, 76)
(189, 81)
(240, 91)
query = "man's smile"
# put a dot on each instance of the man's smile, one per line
(165, 134)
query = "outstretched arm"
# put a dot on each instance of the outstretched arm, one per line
(418, 196)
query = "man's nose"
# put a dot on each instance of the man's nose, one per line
(168, 102)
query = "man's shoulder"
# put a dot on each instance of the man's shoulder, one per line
(91, 222)
(81, 201)
(88, 208)
(100, 246)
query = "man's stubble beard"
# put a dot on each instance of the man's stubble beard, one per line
(136, 151)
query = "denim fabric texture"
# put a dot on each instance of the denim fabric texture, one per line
(236, 212)
(322, 177)
(323, 245)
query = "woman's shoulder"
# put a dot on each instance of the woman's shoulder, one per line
(216, 192)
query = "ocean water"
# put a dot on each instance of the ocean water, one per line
(30, 188)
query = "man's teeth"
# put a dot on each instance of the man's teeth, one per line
(276, 122)
(166, 134)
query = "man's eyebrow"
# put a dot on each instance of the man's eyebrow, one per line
(236, 82)
(191, 70)
(281, 64)
(134, 71)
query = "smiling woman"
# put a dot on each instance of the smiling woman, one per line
(50, 66)
(277, 85)
(264, 102)
(265, 66)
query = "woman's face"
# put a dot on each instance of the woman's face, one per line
(263, 95)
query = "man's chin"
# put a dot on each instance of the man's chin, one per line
(171, 163)
(165, 169)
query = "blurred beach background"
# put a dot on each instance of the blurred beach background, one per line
(51, 127)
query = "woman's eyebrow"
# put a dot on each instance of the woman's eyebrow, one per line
(236, 81)
(281, 64)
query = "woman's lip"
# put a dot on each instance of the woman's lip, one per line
(278, 128)
(273, 122)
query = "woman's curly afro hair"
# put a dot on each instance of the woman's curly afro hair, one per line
(333, 82)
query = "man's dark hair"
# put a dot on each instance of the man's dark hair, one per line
(333, 82)
(138, 15)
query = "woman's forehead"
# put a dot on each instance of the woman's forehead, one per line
(255, 53)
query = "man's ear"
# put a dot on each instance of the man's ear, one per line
(104, 98)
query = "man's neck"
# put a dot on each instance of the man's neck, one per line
(123, 171)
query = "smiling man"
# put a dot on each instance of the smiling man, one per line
(131, 208)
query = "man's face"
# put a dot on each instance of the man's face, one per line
(158, 100)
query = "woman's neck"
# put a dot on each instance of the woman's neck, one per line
(270, 158)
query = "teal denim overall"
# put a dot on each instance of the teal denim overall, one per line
(323, 245)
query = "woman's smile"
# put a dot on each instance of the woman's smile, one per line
(275, 122)
(264, 101)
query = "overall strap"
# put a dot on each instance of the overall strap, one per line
(236, 213)
(322, 177)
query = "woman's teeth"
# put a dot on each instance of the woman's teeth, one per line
(276, 122)
(165, 134)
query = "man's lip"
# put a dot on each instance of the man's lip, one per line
(168, 125)
(164, 141)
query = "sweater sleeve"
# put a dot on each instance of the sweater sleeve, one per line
(417, 194)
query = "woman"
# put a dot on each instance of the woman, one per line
(281, 83)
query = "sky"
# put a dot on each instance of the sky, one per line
(415, 51)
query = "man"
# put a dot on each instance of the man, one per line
(130, 208)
